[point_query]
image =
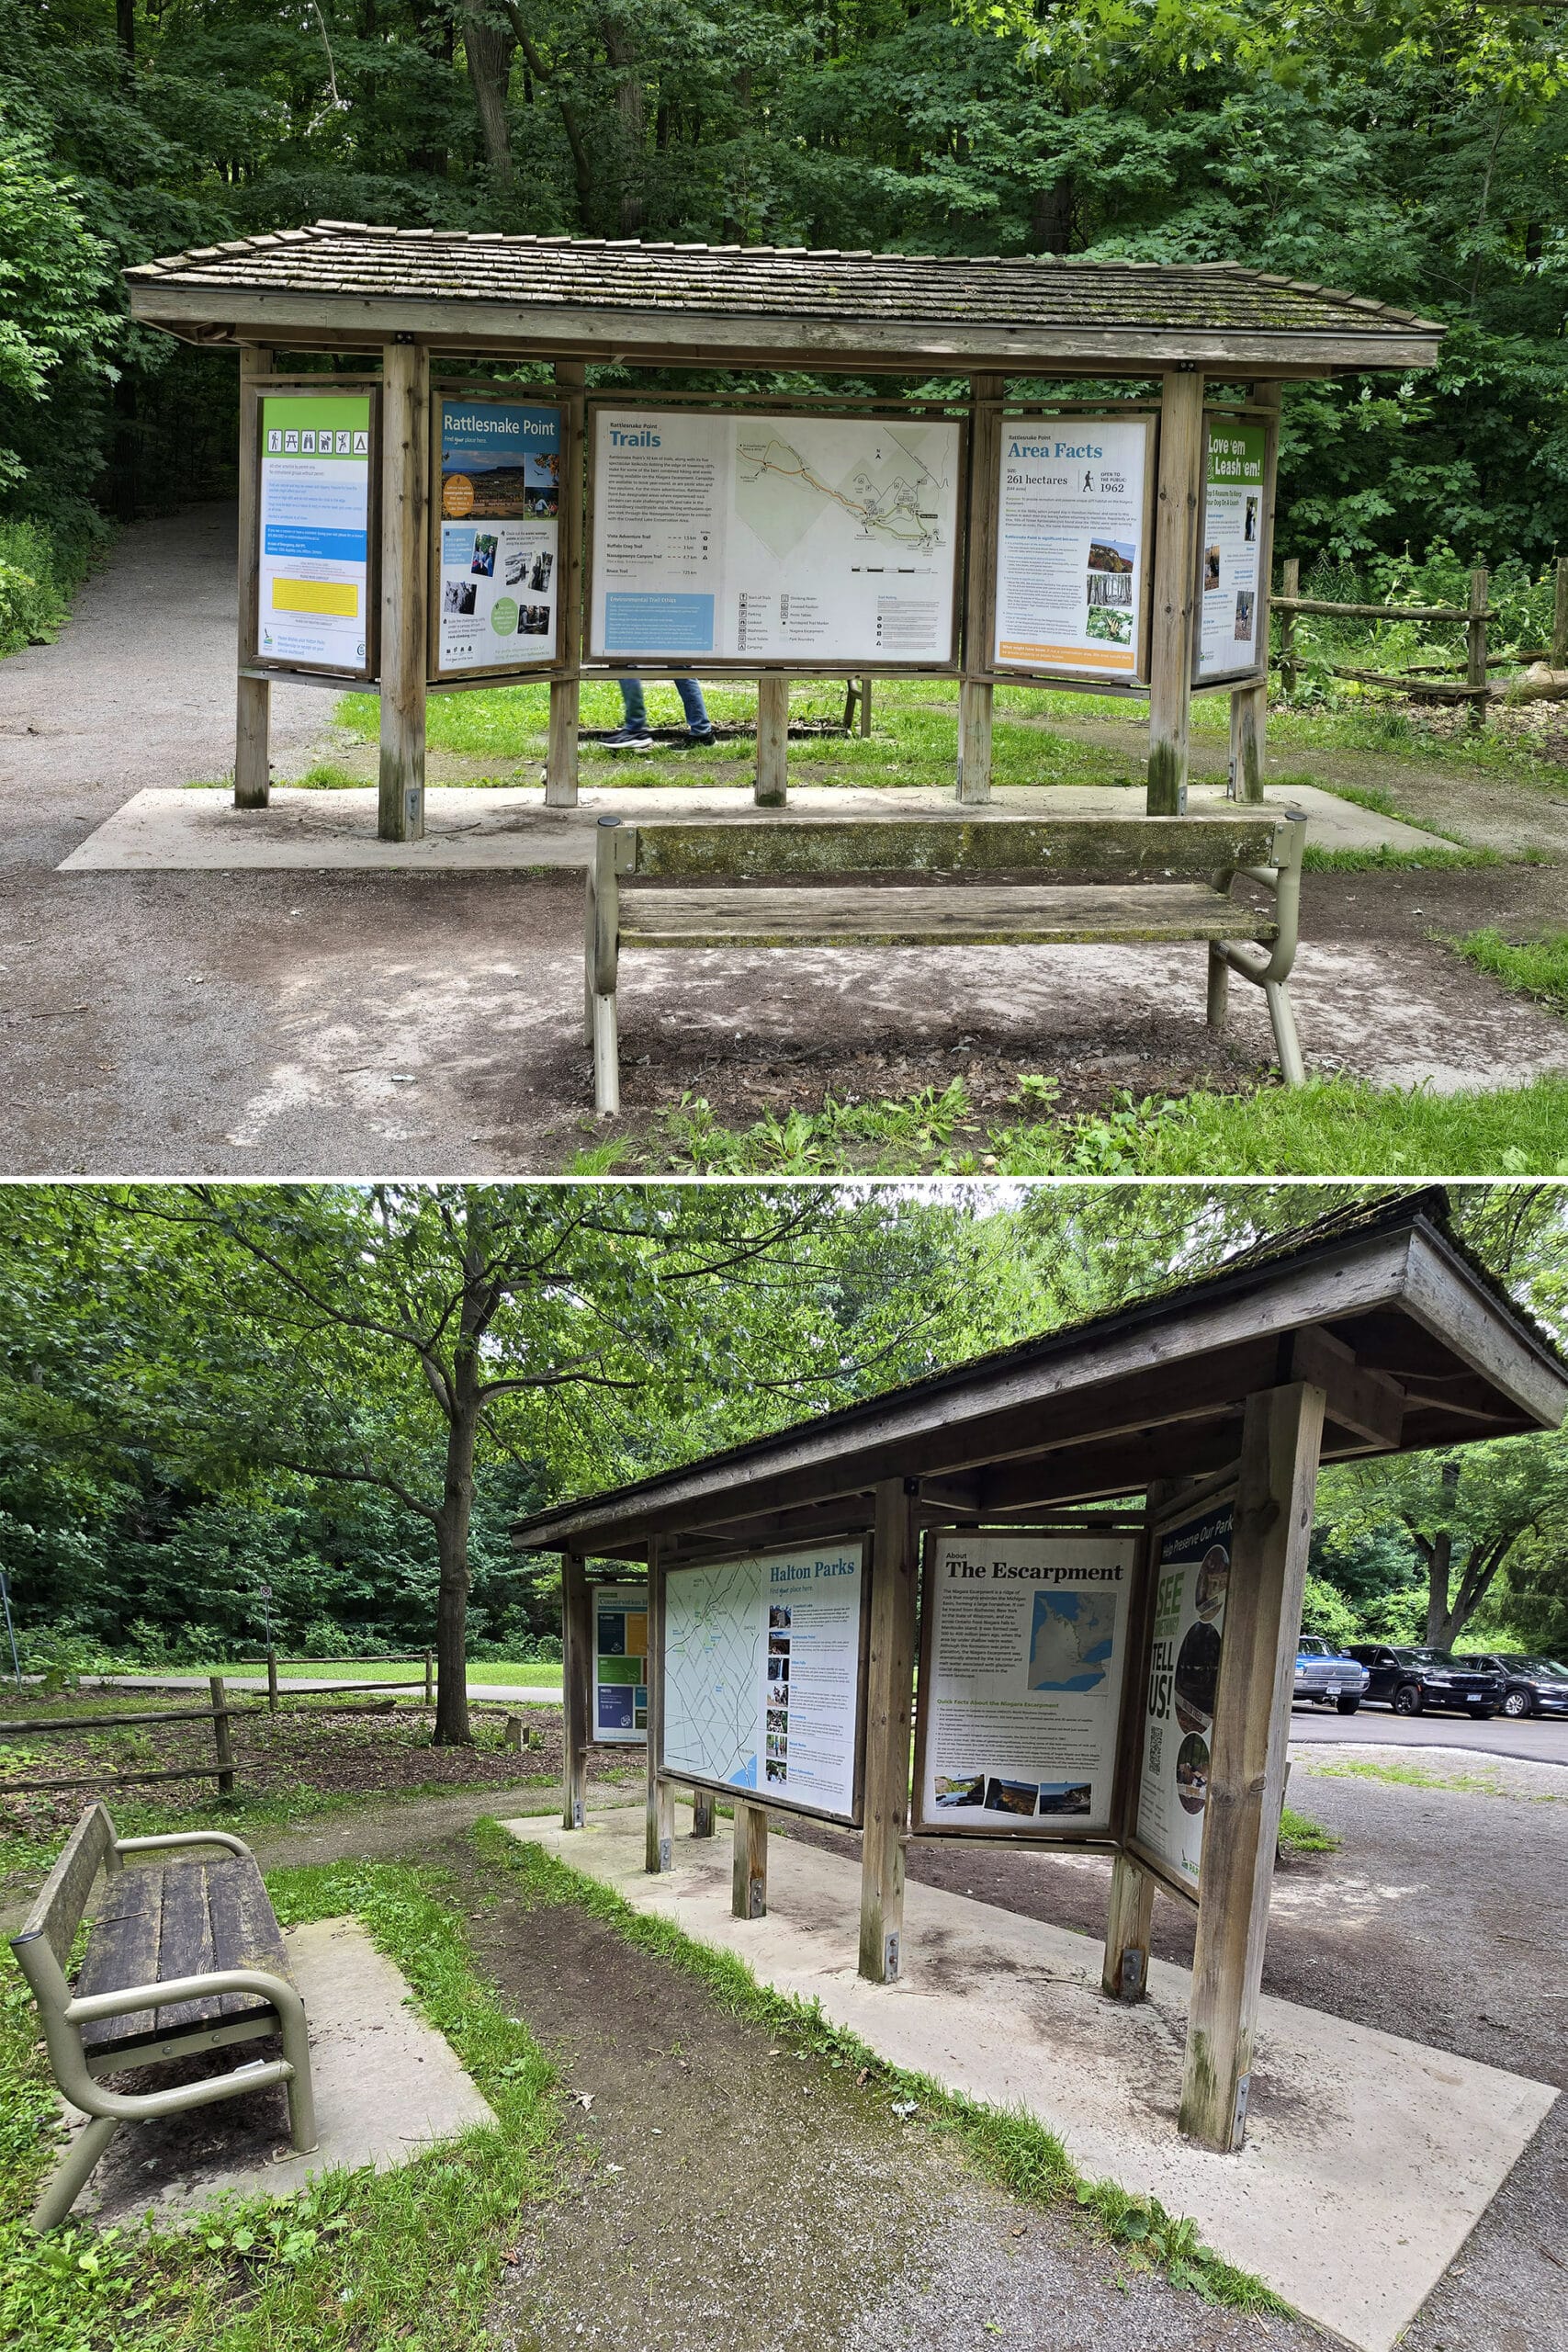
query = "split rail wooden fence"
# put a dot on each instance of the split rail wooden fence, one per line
(1422, 681)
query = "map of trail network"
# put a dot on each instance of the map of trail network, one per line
(888, 494)
(714, 1651)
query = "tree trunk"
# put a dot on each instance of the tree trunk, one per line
(1051, 218)
(125, 29)
(453, 1519)
(633, 209)
(489, 50)
(1440, 1558)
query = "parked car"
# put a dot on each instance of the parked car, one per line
(1322, 1673)
(1409, 1679)
(1531, 1685)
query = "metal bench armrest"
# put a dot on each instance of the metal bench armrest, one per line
(1283, 881)
(69, 2063)
(182, 1837)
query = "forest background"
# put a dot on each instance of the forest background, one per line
(1411, 150)
(329, 1404)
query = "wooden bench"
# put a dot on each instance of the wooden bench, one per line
(944, 882)
(184, 1955)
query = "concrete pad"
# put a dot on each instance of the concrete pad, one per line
(499, 829)
(1369, 2158)
(388, 2087)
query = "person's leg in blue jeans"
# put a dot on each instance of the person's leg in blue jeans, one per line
(632, 734)
(696, 709)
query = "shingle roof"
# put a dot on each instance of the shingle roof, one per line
(350, 263)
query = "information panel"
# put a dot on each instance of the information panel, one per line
(1073, 540)
(762, 1676)
(1191, 1579)
(499, 558)
(824, 539)
(620, 1664)
(1232, 542)
(313, 535)
(1025, 1658)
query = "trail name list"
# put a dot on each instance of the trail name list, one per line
(1026, 1661)
(772, 537)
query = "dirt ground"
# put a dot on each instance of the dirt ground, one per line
(298, 1025)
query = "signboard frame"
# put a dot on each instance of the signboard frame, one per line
(252, 394)
(1108, 1839)
(555, 664)
(1196, 1504)
(1063, 677)
(600, 1588)
(766, 1794)
(795, 665)
(1255, 672)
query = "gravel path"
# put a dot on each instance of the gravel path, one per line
(280, 1025)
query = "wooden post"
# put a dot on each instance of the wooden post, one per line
(577, 1677)
(566, 694)
(405, 467)
(1560, 617)
(895, 1564)
(221, 1739)
(772, 743)
(749, 1874)
(865, 705)
(1281, 1434)
(659, 1845)
(1249, 720)
(702, 1812)
(975, 693)
(1290, 671)
(1127, 1971)
(511, 1733)
(1180, 509)
(252, 701)
(272, 1681)
(429, 1675)
(1475, 645)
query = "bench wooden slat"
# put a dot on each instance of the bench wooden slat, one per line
(123, 1949)
(63, 1897)
(675, 850)
(974, 915)
(188, 1916)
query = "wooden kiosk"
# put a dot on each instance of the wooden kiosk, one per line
(1160, 1463)
(1202, 350)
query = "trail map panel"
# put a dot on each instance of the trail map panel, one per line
(1073, 534)
(1235, 523)
(1026, 1656)
(498, 592)
(1191, 1579)
(826, 540)
(762, 1677)
(620, 1664)
(313, 532)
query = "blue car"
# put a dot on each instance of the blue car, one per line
(1324, 1673)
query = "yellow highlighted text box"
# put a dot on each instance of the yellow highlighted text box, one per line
(1073, 657)
(315, 596)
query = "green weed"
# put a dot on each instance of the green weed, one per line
(1298, 1835)
(1537, 967)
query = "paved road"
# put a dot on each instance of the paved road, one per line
(531, 1695)
(1538, 1741)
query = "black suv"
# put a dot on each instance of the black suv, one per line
(1531, 1685)
(1409, 1679)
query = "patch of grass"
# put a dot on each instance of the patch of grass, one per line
(1335, 1126)
(1538, 968)
(358, 2260)
(1298, 1835)
(1419, 1776)
(327, 776)
(1385, 860)
(1008, 2145)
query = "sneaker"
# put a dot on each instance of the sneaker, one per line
(702, 741)
(629, 739)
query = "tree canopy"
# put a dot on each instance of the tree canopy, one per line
(1412, 149)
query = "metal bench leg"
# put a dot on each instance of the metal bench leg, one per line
(301, 2096)
(67, 2184)
(1287, 1043)
(1219, 986)
(606, 1060)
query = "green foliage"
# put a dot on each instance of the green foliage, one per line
(1298, 1835)
(1326, 1610)
(1536, 967)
